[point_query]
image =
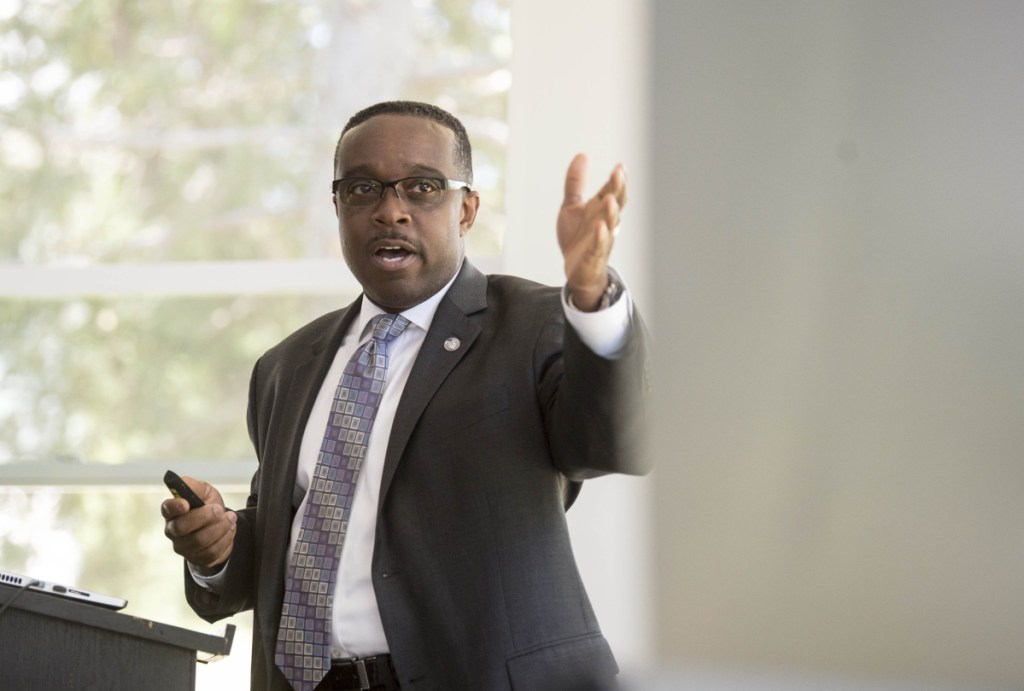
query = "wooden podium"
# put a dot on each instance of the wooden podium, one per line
(47, 642)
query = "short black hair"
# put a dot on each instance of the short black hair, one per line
(463, 150)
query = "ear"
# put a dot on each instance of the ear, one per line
(337, 207)
(467, 211)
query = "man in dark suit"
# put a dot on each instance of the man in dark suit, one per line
(501, 396)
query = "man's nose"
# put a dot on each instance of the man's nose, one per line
(391, 209)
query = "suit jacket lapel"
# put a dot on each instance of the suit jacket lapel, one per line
(453, 319)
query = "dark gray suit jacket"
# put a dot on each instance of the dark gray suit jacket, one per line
(472, 567)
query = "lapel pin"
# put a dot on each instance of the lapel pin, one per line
(452, 344)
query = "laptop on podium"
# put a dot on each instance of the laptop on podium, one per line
(15, 580)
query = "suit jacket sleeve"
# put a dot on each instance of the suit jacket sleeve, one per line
(595, 407)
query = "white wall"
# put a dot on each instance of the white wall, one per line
(578, 84)
(839, 225)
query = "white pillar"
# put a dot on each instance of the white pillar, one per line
(579, 84)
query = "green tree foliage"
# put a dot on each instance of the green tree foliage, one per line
(192, 131)
(176, 132)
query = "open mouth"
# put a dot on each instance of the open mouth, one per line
(392, 254)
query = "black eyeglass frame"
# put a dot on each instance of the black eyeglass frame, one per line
(444, 183)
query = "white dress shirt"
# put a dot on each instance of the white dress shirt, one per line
(356, 628)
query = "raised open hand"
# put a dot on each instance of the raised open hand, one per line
(586, 231)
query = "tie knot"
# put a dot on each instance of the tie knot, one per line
(387, 327)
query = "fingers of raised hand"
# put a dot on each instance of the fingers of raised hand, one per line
(575, 180)
(611, 209)
(609, 200)
(621, 195)
(615, 185)
(602, 214)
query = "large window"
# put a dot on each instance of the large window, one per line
(166, 217)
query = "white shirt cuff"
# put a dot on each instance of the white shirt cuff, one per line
(605, 331)
(212, 583)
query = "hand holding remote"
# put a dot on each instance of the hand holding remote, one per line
(200, 528)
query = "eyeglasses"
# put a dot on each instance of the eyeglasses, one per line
(424, 192)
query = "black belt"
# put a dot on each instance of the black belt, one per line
(360, 674)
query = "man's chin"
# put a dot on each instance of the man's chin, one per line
(395, 291)
(396, 297)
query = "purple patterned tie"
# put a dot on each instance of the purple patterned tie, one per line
(304, 638)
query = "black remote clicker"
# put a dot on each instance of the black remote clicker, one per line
(180, 489)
